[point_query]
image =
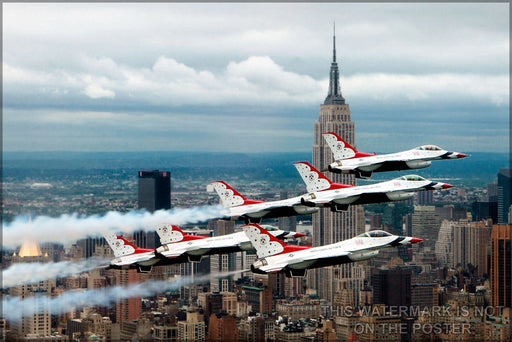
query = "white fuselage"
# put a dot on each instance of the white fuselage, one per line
(287, 207)
(214, 245)
(144, 259)
(355, 249)
(393, 190)
(405, 160)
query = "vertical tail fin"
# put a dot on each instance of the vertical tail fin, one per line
(119, 245)
(229, 197)
(339, 147)
(169, 234)
(265, 243)
(314, 179)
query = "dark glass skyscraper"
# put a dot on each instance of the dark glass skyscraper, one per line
(504, 189)
(154, 194)
(501, 265)
(392, 286)
(154, 190)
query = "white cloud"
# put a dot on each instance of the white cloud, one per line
(256, 80)
(160, 67)
(95, 91)
(491, 89)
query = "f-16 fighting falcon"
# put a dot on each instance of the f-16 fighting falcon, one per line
(349, 160)
(276, 256)
(127, 256)
(176, 244)
(324, 193)
(240, 208)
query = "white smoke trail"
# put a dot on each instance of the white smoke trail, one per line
(69, 228)
(15, 307)
(28, 273)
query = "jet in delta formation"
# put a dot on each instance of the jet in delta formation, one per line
(179, 247)
(275, 256)
(128, 256)
(252, 211)
(175, 243)
(324, 193)
(349, 160)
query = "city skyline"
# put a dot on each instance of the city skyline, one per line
(170, 77)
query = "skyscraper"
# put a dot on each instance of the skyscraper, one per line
(154, 190)
(89, 245)
(501, 265)
(154, 194)
(425, 224)
(504, 190)
(392, 286)
(330, 227)
(130, 308)
(220, 263)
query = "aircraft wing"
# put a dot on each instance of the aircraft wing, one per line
(290, 202)
(169, 251)
(328, 259)
(394, 157)
(274, 267)
(272, 205)
(354, 192)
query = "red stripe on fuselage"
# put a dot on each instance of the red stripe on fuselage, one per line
(289, 249)
(363, 155)
(250, 201)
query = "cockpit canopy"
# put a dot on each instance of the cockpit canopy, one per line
(268, 228)
(375, 233)
(411, 178)
(429, 148)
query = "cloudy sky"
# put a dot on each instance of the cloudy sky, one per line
(250, 77)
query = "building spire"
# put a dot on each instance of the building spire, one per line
(334, 95)
(334, 44)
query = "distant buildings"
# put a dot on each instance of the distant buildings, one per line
(287, 222)
(89, 245)
(463, 243)
(392, 287)
(223, 263)
(501, 265)
(37, 326)
(193, 329)
(425, 224)
(425, 197)
(498, 204)
(128, 309)
(222, 328)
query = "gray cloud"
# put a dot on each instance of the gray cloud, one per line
(162, 73)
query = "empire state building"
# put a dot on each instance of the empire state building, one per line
(330, 227)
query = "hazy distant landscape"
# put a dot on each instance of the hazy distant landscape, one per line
(479, 169)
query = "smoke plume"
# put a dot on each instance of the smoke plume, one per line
(28, 273)
(69, 228)
(15, 307)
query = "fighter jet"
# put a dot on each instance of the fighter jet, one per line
(175, 243)
(349, 160)
(128, 256)
(240, 208)
(276, 256)
(324, 193)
